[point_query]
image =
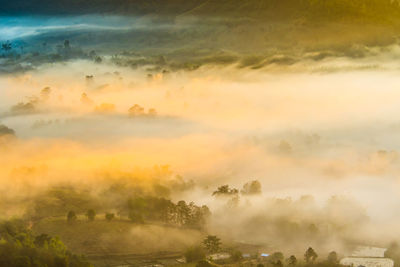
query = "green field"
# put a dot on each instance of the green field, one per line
(118, 236)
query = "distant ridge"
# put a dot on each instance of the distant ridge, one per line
(363, 10)
(77, 7)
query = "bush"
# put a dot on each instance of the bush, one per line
(109, 216)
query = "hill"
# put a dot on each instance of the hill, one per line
(117, 237)
(377, 11)
(313, 10)
(119, 242)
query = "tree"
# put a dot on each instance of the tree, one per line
(42, 240)
(277, 256)
(194, 254)
(292, 260)
(276, 259)
(183, 212)
(152, 112)
(66, 44)
(236, 255)
(6, 46)
(138, 207)
(4, 130)
(136, 110)
(251, 188)
(91, 214)
(109, 216)
(278, 264)
(212, 243)
(332, 257)
(98, 59)
(225, 190)
(20, 248)
(310, 255)
(71, 216)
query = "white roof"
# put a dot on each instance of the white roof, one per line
(220, 256)
(367, 262)
(369, 252)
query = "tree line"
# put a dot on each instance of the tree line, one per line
(212, 244)
(144, 209)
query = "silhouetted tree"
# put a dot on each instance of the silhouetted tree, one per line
(152, 112)
(7, 46)
(98, 59)
(183, 212)
(109, 216)
(136, 110)
(71, 216)
(276, 259)
(91, 214)
(278, 264)
(251, 188)
(225, 190)
(212, 243)
(332, 257)
(42, 240)
(66, 44)
(277, 256)
(310, 255)
(292, 260)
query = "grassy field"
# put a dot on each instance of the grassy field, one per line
(101, 237)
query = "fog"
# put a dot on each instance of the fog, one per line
(318, 131)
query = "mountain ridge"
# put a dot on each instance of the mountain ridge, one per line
(363, 10)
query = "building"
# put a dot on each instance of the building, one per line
(367, 257)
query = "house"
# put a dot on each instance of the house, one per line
(367, 257)
(219, 256)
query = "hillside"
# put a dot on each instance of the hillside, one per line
(377, 11)
(119, 240)
(191, 33)
(317, 10)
